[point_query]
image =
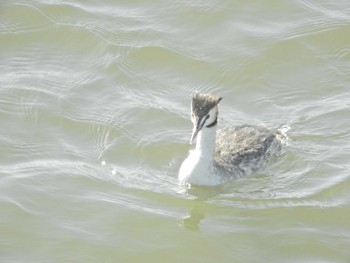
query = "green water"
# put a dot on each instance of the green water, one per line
(95, 122)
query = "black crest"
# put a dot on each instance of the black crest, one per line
(203, 103)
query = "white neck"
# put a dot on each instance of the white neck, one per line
(205, 144)
(199, 167)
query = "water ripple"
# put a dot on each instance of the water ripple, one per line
(95, 113)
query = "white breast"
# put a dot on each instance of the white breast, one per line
(198, 170)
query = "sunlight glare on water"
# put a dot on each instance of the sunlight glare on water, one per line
(95, 122)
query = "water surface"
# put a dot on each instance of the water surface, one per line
(95, 122)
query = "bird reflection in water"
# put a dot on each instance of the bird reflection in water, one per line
(197, 212)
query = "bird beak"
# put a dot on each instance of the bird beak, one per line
(196, 128)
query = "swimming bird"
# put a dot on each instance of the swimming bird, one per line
(227, 153)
